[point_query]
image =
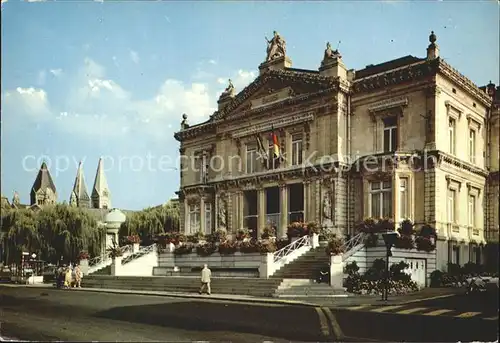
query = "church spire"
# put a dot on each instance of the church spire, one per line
(80, 196)
(101, 197)
(43, 191)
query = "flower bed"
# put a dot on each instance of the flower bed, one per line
(372, 282)
(300, 229)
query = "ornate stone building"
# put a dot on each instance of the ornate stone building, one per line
(336, 146)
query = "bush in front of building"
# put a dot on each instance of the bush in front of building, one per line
(373, 282)
(228, 247)
(184, 249)
(268, 232)
(206, 249)
(297, 229)
(242, 234)
(335, 246)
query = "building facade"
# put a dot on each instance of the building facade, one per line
(336, 146)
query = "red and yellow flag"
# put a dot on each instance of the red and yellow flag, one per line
(276, 146)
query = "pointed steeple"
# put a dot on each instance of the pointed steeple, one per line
(101, 197)
(43, 191)
(80, 196)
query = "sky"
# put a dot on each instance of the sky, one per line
(84, 79)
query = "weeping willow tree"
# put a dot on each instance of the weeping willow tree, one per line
(53, 233)
(152, 221)
(19, 233)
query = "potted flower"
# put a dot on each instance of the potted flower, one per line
(296, 230)
(228, 247)
(242, 234)
(205, 249)
(406, 240)
(134, 240)
(183, 249)
(265, 247)
(248, 247)
(218, 236)
(369, 228)
(335, 246)
(115, 252)
(83, 255)
(268, 232)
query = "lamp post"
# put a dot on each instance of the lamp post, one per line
(33, 256)
(389, 240)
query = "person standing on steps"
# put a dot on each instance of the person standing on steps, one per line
(206, 274)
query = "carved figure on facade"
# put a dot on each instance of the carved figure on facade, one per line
(222, 213)
(276, 47)
(15, 199)
(327, 206)
(184, 124)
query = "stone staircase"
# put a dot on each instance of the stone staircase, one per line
(129, 258)
(305, 266)
(231, 285)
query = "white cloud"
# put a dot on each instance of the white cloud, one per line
(134, 56)
(98, 106)
(42, 75)
(56, 72)
(240, 80)
(214, 62)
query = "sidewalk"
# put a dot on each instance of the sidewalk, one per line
(355, 300)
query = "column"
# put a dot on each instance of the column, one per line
(186, 217)
(202, 214)
(317, 201)
(261, 210)
(241, 206)
(216, 211)
(306, 200)
(283, 210)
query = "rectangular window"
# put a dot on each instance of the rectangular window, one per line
(194, 218)
(296, 202)
(451, 136)
(381, 199)
(451, 205)
(297, 153)
(390, 134)
(208, 217)
(250, 211)
(472, 146)
(456, 255)
(200, 168)
(251, 160)
(472, 210)
(403, 198)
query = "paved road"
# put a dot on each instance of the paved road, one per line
(454, 318)
(49, 314)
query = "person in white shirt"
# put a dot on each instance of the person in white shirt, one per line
(206, 274)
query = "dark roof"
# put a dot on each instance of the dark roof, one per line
(43, 179)
(303, 70)
(371, 69)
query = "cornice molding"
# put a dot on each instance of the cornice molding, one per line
(275, 123)
(388, 104)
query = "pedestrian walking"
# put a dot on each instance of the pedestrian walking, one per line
(206, 274)
(67, 278)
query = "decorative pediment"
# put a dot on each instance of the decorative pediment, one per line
(273, 87)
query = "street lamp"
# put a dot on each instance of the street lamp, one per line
(390, 239)
(33, 268)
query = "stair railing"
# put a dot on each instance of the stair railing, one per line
(353, 245)
(143, 251)
(283, 253)
(104, 260)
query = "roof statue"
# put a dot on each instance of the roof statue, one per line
(330, 53)
(184, 124)
(15, 199)
(276, 47)
(229, 89)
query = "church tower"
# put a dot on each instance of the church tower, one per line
(80, 196)
(101, 197)
(43, 191)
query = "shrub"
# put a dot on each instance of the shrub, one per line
(248, 247)
(206, 249)
(384, 225)
(228, 248)
(183, 249)
(406, 228)
(313, 227)
(436, 278)
(335, 247)
(405, 242)
(281, 243)
(196, 238)
(241, 234)
(367, 226)
(269, 231)
(134, 239)
(265, 247)
(424, 244)
(217, 236)
(114, 251)
(325, 235)
(297, 229)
